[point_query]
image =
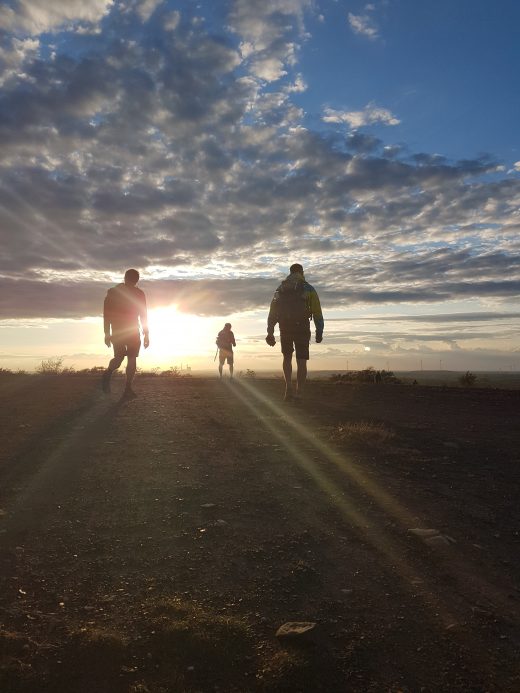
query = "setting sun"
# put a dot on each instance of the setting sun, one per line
(175, 335)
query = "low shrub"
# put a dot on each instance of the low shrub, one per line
(363, 432)
(52, 366)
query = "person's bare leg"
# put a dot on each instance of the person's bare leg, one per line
(131, 367)
(220, 365)
(230, 370)
(301, 375)
(114, 364)
(287, 374)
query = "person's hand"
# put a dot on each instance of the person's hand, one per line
(146, 341)
(270, 340)
(108, 340)
(319, 337)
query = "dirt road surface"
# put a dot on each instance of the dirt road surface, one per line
(157, 545)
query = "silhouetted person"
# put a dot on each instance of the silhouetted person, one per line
(294, 303)
(124, 313)
(225, 342)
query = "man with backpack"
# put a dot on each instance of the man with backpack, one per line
(294, 303)
(225, 343)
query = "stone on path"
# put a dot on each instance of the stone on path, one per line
(295, 630)
(433, 537)
(424, 532)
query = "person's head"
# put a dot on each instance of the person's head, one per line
(131, 277)
(227, 326)
(296, 268)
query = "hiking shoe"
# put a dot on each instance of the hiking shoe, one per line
(105, 382)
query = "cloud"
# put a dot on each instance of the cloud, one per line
(35, 299)
(171, 150)
(33, 17)
(13, 54)
(363, 24)
(269, 32)
(356, 119)
(436, 318)
(145, 8)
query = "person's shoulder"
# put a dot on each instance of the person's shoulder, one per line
(114, 289)
(308, 287)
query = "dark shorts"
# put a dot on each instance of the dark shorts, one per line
(296, 337)
(126, 345)
(224, 354)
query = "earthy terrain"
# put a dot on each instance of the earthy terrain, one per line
(157, 545)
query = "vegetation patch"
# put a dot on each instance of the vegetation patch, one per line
(365, 432)
(195, 645)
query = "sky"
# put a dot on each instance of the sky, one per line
(212, 144)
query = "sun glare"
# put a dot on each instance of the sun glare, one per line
(175, 335)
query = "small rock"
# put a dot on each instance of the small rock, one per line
(479, 611)
(295, 630)
(208, 505)
(424, 532)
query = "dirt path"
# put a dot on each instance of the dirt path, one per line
(157, 545)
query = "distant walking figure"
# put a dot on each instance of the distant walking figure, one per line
(294, 303)
(225, 343)
(124, 309)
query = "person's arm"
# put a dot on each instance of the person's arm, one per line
(143, 317)
(272, 319)
(107, 318)
(233, 340)
(317, 315)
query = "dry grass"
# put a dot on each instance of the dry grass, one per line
(365, 432)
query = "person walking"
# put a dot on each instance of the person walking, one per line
(225, 343)
(124, 315)
(294, 303)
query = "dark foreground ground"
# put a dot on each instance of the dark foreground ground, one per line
(157, 545)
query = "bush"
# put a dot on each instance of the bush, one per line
(368, 375)
(52, 366)
(468, 379)
(175, 372)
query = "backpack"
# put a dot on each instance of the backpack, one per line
(223, 341)
(291, 302)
